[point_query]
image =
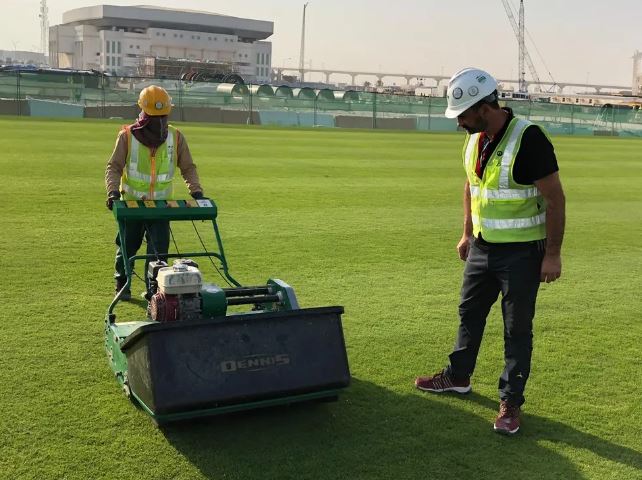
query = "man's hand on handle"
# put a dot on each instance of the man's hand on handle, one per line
(111, 198)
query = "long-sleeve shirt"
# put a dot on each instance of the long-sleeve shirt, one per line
(116, 164)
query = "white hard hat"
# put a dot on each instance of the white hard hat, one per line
(466, 88)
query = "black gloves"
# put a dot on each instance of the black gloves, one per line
(111, 197)
(197, 195)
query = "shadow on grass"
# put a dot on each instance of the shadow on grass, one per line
(375, 433)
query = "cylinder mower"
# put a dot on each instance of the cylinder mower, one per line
(193, 356)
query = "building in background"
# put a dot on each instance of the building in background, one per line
(23, 57)
(127, 40)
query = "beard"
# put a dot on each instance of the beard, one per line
(478, 127)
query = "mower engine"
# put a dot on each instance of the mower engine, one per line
(177, 291)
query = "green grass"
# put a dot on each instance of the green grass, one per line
(368, 220)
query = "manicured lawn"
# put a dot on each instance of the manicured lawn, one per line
(367, 220)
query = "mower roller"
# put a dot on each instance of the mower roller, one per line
(192, 357)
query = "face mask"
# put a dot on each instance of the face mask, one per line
(151, 131)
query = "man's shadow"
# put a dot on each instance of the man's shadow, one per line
(372, 432)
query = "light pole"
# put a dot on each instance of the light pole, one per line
(15, 52)
(302, 57)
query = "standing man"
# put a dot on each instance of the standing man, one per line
(513, 229)
(142, 167)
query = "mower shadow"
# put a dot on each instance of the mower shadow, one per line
(376, 433)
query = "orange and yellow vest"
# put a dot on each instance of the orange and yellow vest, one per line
(149, 173)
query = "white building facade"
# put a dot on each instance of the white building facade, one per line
(115, 39)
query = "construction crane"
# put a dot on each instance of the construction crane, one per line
(524, 56)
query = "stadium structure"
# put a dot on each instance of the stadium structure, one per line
(160, 42)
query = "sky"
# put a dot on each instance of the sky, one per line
(584, 41)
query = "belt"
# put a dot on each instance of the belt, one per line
(540, 244)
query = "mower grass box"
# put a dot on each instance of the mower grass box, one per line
(181, 366)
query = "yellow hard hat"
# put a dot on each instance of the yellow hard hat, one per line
(155, 101)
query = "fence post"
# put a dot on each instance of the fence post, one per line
(180, 99)
(18, 105)
(374, 110)
(613, 121)
(314, 121)
(572, 119)
(250, 121)
(102, 112)
(429, 111)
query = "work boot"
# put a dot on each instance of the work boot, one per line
(442, 382)
(127, 294)
(507, 421)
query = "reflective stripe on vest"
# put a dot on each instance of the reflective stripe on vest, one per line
(503, 210)
(510, 151)
(504, 194)
(138, 194)
(511, 223)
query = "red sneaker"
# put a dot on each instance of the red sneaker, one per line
(442, 382)
(507, 421)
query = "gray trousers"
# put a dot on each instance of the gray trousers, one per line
(156, 233)
(514, 271)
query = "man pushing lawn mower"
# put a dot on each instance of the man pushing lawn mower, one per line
(142, 167)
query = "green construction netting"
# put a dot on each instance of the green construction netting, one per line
(94, 95)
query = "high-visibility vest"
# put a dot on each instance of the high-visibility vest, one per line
(146, 175)
(503, 210)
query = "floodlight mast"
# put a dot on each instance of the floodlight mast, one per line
(44, 27)
(302, 55)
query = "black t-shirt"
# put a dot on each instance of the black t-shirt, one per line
(536, 157)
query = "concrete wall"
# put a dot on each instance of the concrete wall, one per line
(217, 115)
(404, 123)
(12, 107)
(239, 117)
(352, 121)
(349, 121)
(198, 114)
(125, 112)
(48, 108)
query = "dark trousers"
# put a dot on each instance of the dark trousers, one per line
(514, 270)
(156, 234)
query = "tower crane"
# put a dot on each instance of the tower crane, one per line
(524, 56)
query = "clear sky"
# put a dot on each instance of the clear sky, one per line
(579, 40)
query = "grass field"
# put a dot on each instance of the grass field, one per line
(367, 220)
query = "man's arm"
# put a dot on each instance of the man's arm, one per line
(116, 164)
(464, 243)
(551, 189)
(187, 167)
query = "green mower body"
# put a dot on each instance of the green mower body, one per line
(193, 355)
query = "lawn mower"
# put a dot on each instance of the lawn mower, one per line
(194, 354)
